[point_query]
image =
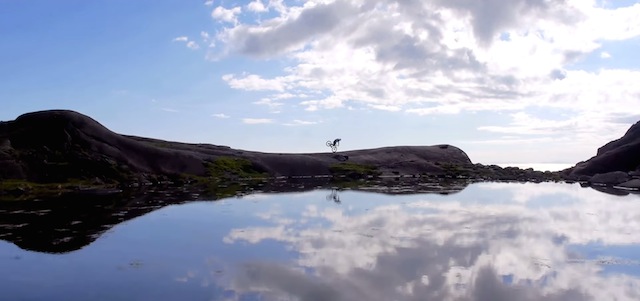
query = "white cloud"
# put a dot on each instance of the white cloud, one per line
(257, 120)
(438, 57)
(268, 102)
(444, 56)
(220, 115)
(386, 108)
(192, 45)
(170, 110)
(605, 55)
(256, 6)
(227, 15)
(523, 124)
(256, 83)
(287, 96)
(205, 36)
(298, 122)
(208, 3)
(560, 136)
(439, 110)
(327, 103)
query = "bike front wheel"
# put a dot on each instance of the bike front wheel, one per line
(329, 143)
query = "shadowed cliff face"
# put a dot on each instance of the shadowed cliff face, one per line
(57, 146)
(618, 155)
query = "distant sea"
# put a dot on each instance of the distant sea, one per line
(539, 166)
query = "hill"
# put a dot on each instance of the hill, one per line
(616, 163)
(62, 146)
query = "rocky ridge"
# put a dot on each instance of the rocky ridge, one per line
(68, 149)
(616, 164)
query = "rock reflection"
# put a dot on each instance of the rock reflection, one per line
(462, 249)
(69, 223)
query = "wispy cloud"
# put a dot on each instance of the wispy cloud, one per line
(220, 115)
(326, 103)
(524, 124)
(387, 108)
(257, 120)
(298, 122)
(268, 102)
(205, 36)
(255, 83)
(170, 110)
(193, 45)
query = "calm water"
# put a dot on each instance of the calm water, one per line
(492, 241)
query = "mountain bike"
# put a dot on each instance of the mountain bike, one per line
(334, 144)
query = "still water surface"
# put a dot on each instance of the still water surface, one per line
(491, 241)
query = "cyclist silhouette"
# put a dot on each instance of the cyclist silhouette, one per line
(334, 145)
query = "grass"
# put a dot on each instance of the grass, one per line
(225, 168)
(353, 170)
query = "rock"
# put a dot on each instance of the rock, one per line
(60, 146)
(631, 184)
(584, 178)
(610, 178)
(18, 191)
(617, 155)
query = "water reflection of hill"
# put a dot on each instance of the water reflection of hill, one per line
(69, 223)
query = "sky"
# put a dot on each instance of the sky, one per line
(520, 81)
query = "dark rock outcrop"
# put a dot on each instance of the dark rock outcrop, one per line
(53, 146)
(609, 178)
(618, 155)
(58, 146)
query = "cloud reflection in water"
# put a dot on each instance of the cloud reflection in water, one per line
(493, 241)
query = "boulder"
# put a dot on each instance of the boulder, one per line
(610, 178)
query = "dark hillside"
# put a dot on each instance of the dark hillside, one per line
(59, 146)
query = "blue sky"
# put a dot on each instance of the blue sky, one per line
(508, 82)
